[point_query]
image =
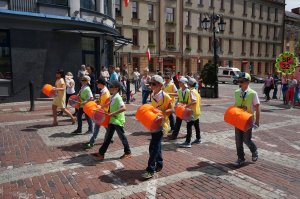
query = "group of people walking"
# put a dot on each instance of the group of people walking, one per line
(165, 97)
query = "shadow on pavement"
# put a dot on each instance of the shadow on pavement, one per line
(83, 159)
(128, 177)
(216, 169)
(29, 130)
(62, 135)
(77, 147)
(140, 133)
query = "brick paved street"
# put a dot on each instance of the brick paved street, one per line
(40, 161)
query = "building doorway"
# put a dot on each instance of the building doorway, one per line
(169, 64)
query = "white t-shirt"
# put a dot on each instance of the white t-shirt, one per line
(136, 75)
(70, 86)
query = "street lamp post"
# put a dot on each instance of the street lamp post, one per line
(207, 22)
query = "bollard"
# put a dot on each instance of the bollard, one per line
(31, 96)
(128, 91)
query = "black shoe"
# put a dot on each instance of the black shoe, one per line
(158, 168)
(254, 156)
(88, 132)
(172, 137)
(76, 132)
(87, 145)
(239, 163)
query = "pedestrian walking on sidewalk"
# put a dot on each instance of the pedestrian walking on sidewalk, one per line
(247, 99)
(85, 95)
(60, 100)
(194, 103)
(116, 122)
(163, 102)
(183, 97)
(170, 88)
(103, 101)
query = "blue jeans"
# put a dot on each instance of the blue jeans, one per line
(145, 95)
(109, 135)
(172, 122)
(136, 85)
(244, 137)
(189, 126)
(95, 134)
(155, 158)
(79, 120)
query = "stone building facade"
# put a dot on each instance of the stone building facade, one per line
(172, 30)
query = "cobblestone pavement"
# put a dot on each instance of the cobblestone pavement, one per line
(40, 161)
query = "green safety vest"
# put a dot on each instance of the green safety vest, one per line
(118, 119)
(183, 98)
(245, 102)
(83, 95)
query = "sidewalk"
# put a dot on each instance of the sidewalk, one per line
(40, 161)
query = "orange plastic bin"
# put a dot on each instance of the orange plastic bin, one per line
(183, 112)
(49, 91)
(149, 117)
(238, 118)
(74, 101)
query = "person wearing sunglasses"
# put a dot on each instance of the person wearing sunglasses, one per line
(170, 88)
(163, 102)
(247, 99)
(85, 95)
(116, 113)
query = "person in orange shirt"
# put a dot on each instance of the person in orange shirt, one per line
(103, 102)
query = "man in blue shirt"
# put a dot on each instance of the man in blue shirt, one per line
(112, 74)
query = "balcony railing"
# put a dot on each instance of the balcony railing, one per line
(25, 6)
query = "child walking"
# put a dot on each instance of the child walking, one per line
(183, 97)
(163, 102)
(103, 101)
(194, 103)
(247, 99)
(116, 122)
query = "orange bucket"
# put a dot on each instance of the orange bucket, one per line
(89, 108)
(183, 112)
(74, 101)
(48, 90)
(149, 117)
(99, 116)
(238, 118)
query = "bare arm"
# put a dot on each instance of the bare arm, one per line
(257, 114)
(122, 109)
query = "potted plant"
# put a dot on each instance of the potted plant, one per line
(209, 77)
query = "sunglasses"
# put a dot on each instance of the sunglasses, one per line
(152, 84)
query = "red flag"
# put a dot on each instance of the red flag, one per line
(148, 54)
(126, 3)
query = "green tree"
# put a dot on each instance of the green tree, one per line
(208, 74)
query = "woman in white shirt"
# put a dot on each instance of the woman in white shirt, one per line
(70, 84)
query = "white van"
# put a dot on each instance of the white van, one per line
(228, 74)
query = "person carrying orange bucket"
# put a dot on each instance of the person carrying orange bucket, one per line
(194, 103)
(183, 97)
(103, 101)
(247, 99)
(116, 122)
(171, 89)
(85, 95)
(163, 102)
(59, 99)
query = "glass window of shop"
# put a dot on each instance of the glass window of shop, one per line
(55, 2)
(88, 4)
(5, 59)
(89, 51)
(107, 7)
